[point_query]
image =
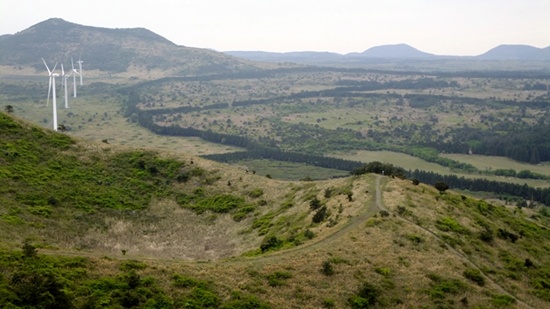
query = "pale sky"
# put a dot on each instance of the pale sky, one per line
(442, 27)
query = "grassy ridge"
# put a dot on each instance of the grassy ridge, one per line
(429, 249)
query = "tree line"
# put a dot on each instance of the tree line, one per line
(541, 195)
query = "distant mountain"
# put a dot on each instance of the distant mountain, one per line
(112, 50)
(395, 52)
(400, 51)
(517, 52)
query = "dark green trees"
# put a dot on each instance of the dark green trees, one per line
(441, 186)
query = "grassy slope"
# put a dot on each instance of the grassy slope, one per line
(417, 256)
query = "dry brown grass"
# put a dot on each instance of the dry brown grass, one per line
(178, 241)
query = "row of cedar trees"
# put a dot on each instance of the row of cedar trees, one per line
(255, 150)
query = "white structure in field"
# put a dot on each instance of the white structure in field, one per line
(74, 73)
(80, 69)
(64, 82)
(52, 88)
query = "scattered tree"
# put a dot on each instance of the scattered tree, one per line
(314, 203)
(327, 269)
(441, 186)
(319, 216)
(28, 249)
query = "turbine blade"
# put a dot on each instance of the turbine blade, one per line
(72, 63)
(49, 72)
(62, 70)
(55, 66)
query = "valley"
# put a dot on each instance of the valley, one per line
(202, 180)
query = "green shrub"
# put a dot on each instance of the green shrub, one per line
(242, 212)
(366, 297)
(44, 211)
(441, 186)
(486, 235)
(241, 301)
(384, 271)
(309, 234)
(200, 298)
(328, 303)
(39, 289)
(222, 203)
(132, 264)
(315, 204)
(327, 268)
(503, 300)
(448, 224)
(187, 282)
(440, 287)
(255, 193)
(319, 216)
(270, 243)
(474, 275)
(278, 278)
(29, 250)
(415, 238)
(263, 223)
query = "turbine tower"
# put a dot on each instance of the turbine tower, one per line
(64, 82)
(74, 77)
(80, 69)
(52, 87)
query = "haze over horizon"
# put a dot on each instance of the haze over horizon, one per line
(437, 27)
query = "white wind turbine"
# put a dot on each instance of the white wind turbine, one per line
(80, 69)
(52, 87)
(74, 77)
(64, 82)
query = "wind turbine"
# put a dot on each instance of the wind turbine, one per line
(52, 87)
(80, 69)
(74, 77)
(64, 82)
(50, 80)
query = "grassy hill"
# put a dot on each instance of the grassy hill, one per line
(88, 225)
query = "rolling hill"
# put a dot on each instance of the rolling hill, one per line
(110, 50)
(517, 52)
(400, 52)
(87, 225)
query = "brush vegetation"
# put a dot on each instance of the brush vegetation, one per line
(88, 225)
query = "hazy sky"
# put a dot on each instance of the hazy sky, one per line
(443, 27)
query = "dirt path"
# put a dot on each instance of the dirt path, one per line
(375, 206)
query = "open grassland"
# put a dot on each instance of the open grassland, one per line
(396, 158)
(411, 163)
(492, 163)
(289, 170)
(100, 118)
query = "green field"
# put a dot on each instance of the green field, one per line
(411, 163)
(493, 163)
(289, 170)
(396, 158)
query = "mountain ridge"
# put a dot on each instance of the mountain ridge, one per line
(402, 51)
(110, 50)
(141, 50)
